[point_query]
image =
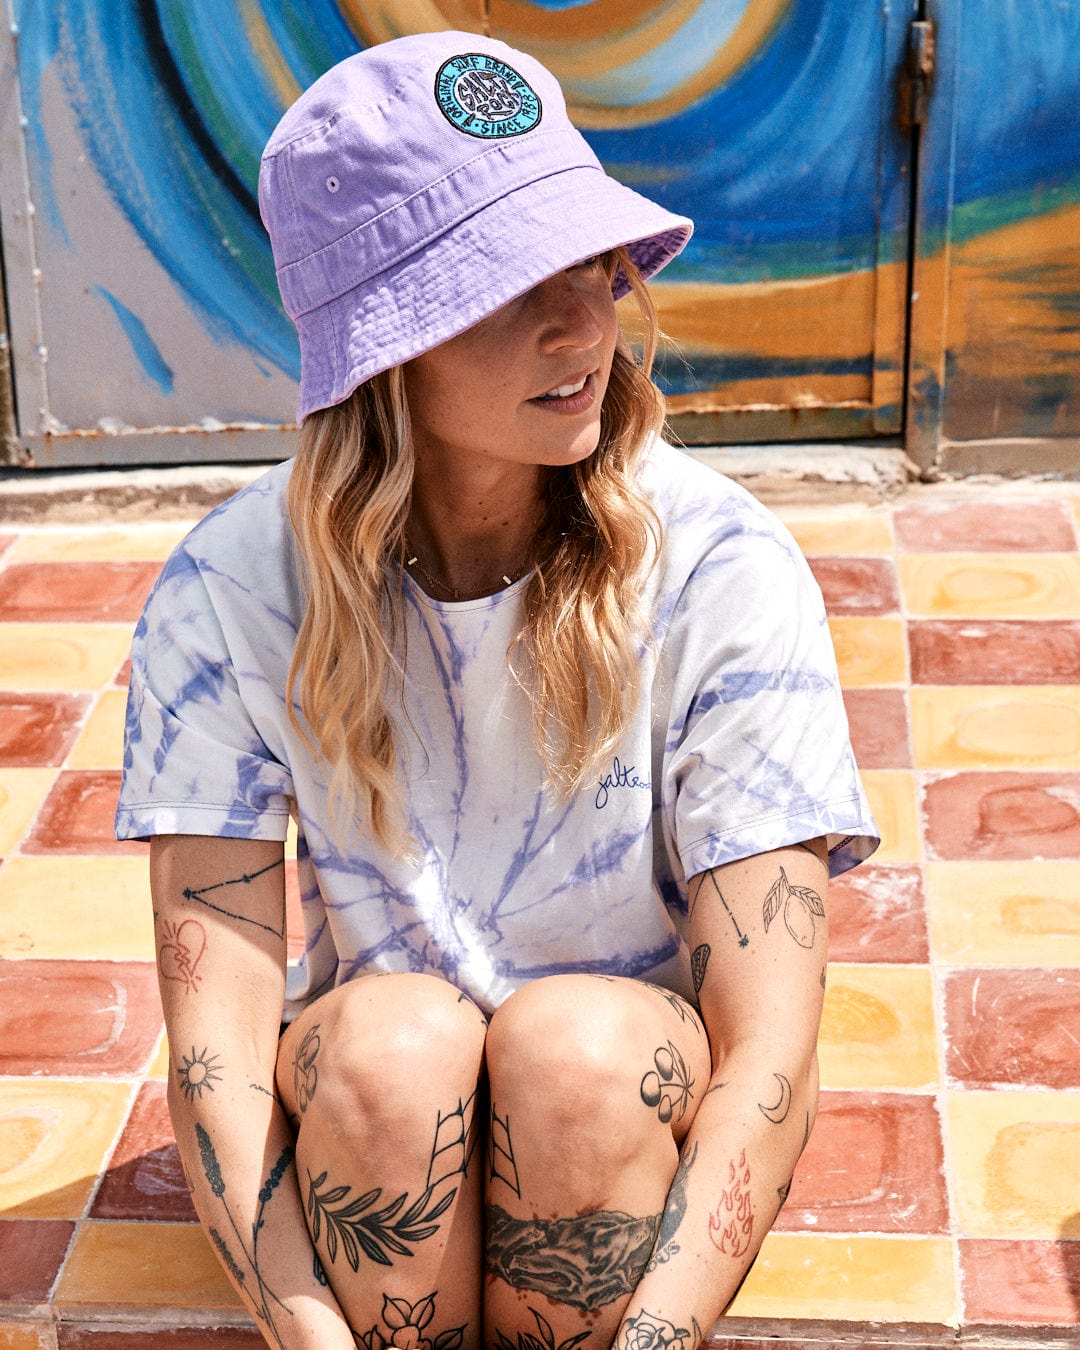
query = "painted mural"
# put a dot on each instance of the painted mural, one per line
(771, 122)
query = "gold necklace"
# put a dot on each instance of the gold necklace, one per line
(411, 560)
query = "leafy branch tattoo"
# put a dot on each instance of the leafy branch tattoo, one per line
(406, 1323)
(646, 1331)
(667, 1087)
(801, 906)
(699, 963)
(545, 1341)
(359, 1229)
(305, 1071)
(732, 1223)
(199, 893)
(198, 1074)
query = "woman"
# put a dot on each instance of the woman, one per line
(555, 711)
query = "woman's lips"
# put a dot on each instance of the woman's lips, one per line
(578, 401)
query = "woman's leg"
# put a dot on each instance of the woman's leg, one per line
(593, 1083)
(382, 1080)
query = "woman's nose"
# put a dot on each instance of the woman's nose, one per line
(569, 312)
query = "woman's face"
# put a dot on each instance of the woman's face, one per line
(525, 385)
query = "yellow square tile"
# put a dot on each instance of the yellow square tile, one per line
(893, 799)
(159, 1066)
(21, 793)
(830, 530)
(70, 656)
(870, 651)
(877, 1028)
(991, 585)
(1015, 1163)
(996, 726)
(145, 1265)
(851, 1279)
(1004, 913)
(27, 1336)
(101, 741)
(54, 1138)
(129, 543)
(66, 908)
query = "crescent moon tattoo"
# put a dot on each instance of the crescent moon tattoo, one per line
(778, 1113)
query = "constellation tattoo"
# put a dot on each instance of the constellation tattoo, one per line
(305, 1072)
(744, 940)
(732, 1223)
(406, 1323)
(667, 1087)
(800, 904)
(199, 894)
(198, 1074)
(181, 952)
(546, 1339)
(501, 1164)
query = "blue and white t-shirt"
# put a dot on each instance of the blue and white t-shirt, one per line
(738, 744)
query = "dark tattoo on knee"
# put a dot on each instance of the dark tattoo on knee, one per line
(199, 1073)
(666, 1246)
(501, 1164)
(648, 1330)
(679, 1005)
(455, 1139)
(406, 1323)
(667, 1086)
(305, 1069)
(199, 893)
(361, 1227)
(546, 1340)
(585, 1262)
(801, 906)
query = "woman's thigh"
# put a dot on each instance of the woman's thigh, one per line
(594, 1083)
(382, 1079)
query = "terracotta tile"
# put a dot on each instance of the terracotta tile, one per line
(877, 1028)
(22, 792)
(77, 816)
(31, 1253)
(878, 721)
(1004, 913)
(54, 1137)
(39, 729)
(143, 1265)
(101, 742)
(123, 675)
(857, 585)
(27, 1336)
(69, 657)
(6, 541)
(135, 542)
(878, 913)
(145, 1179)
(892, 797)
(995, 651)
(1003, 815)
(76, 908)
(832, 530)
(1013, 1162)
(991, 525)
(994, 726)
(874, 1164)
(184, 1338)
(1029, 1283)
(851, 1279)
(1013, 1028)
(65, 592)
(84, 1018)
(869, 651)
(991, 585)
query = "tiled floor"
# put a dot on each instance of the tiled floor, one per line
(941, 1188)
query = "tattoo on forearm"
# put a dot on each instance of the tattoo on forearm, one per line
(501, 1164)
(180, 953)
(731, 1225)
(546, 1340)
(199, 894)
(744, 940)
(361, 1230)
(455, 1139)
(778, 1113)
(406, 1323)
(674, 1210)
(262, 1297)
(198, 1074)
(800, 905)
(585, 1262)
(667, 1087)
(783, 1192)
(647, 1331)
(699, 964)
(305, 1070)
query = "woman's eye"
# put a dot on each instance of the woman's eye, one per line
(594, 261)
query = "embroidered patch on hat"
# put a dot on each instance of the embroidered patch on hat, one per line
(485, 97)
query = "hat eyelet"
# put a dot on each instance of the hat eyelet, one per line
(332, 184)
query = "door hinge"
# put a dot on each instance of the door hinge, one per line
(916, 75)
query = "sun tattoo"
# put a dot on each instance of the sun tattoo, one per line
(198, 1074)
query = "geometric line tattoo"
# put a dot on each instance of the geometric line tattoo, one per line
(501, 1164)
(199, 894)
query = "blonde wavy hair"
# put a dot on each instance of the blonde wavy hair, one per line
(578, 653)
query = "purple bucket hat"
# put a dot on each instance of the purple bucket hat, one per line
(422, 184)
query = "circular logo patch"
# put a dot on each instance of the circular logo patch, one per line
(485, 97)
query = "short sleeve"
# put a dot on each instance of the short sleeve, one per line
(194, 761)
(758, 753)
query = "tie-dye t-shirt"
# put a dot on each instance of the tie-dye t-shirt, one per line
(738, 744)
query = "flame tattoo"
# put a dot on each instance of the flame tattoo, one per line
(731, 1226)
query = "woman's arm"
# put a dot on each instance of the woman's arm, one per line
(219, 921)
(758, 935)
